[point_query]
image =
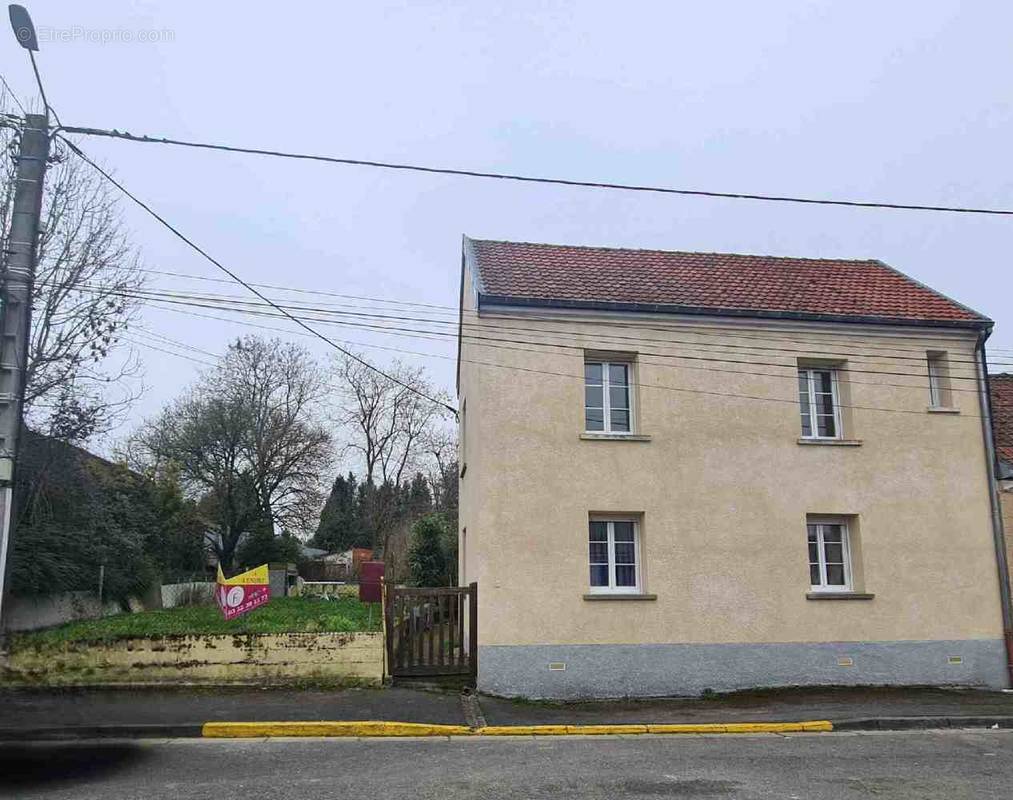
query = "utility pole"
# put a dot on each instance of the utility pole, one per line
(18, 282)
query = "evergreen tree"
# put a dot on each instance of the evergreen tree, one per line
(340, 524)
(263, 547)
(420, 499)
(78, 514)
(426, 559)
(177, 543)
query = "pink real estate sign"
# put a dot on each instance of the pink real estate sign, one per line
(244, 592)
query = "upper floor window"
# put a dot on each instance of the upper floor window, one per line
(818, 402)
(939, 379)
(608, 406)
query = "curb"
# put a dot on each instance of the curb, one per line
(219, 730)
(245, 730)
(378, 729)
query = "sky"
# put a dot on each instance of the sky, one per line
(906, 102)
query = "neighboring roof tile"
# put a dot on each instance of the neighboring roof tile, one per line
(1002, 414)
(720, 282)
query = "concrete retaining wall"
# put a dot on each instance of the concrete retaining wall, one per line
(31, 613)
(355, 657)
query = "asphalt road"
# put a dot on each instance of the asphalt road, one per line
(923, 765)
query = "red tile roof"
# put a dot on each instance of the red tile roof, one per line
(705, 282)
(1002, 414)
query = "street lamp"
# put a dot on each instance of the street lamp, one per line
(24, 30)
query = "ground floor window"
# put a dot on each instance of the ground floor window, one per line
(613, 549)
(829, 555)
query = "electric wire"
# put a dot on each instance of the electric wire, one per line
(504, 342)
(792, 376)
(692, 345)
(508, 176)
(636, 384)
(193, 245)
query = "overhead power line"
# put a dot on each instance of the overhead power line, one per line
(450, 311)
(638, 384)
(197, 248)
(560, 338)
(151, 346)
(508, 176)
(504, 343)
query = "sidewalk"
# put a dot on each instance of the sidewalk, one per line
(161, 712)
(839, 705)
(180, 711)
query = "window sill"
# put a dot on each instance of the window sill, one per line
(942, 410)
(615, 437)
(838, 596)
(619, 596)
(831, 442)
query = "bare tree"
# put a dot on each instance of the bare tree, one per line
(85, 294)
(440, 445)
(389, 420)
(388, 423)
(286, 446)
(247, 440)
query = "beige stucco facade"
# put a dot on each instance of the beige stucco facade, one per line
(722, 487)
(1006, 505)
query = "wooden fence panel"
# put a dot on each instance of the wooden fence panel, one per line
(426, 630)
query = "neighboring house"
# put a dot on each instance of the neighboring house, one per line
(342, 566)
(684, 471)
(311, 553)
(1001, 386)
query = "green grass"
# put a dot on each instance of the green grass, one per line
(282, 615)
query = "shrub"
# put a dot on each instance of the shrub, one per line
(427, 561)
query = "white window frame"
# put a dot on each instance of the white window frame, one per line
(936, 363)
(835, 397)
(820, 523)
(637, 588)
(606, 399)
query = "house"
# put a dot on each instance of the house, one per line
(1001, 388)
(342, 566)
(690, 471)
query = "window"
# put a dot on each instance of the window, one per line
(613, 555)
(817, 396)
(464, 436)
(829, 556)
(939, 379)
(607, 396)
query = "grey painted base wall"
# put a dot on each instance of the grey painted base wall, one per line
(656, 670)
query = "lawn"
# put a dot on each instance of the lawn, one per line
(282, 615)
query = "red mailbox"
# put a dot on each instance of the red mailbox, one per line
(370, 574)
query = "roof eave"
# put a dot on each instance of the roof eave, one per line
(982, 323)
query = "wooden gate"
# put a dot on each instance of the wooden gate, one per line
(432, 632)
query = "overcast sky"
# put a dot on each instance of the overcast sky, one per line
(905, 102)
